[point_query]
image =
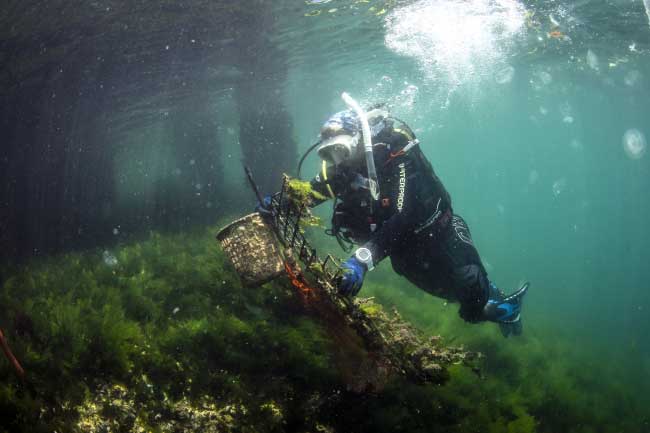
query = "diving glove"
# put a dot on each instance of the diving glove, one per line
(264, 207)
(505, 310)
(352, 279)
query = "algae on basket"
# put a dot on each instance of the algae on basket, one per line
(301, 197)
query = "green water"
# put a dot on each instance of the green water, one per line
(534, 114)
(536, 164)
(527, 131)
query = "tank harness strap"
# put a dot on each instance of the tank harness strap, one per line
(329, 188)
(412, 143)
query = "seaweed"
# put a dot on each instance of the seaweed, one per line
(166, 339)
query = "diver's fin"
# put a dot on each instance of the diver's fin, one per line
(516, 296)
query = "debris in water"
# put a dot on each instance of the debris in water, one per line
(109, 259)
(176, 310)
(592, 60)
(634, 143)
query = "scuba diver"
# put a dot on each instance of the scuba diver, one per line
(389, 201)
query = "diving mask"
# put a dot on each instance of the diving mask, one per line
(338, 148)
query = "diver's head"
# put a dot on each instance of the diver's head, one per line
(341, 138)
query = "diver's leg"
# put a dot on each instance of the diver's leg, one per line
(468, 281)
(479, 298)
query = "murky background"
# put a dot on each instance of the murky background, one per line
(121, 118)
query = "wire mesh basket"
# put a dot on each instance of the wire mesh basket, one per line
(252, 248)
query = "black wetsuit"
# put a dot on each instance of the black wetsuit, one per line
(412, 222)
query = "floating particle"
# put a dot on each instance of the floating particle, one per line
(559, 186)
(592, 60)
(576, 144)
(543, 111)
(116, 231)
(198, 186)
(632, 78)
(109, 259)
(192, 162)
(176, 310)
(634, 143)
(504, 76)
(533, 176)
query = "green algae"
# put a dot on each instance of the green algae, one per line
(166, 339)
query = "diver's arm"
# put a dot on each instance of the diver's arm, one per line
(404, 200)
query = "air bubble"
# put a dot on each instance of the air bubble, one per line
(632, 78)
(634, 143)
(505, 75)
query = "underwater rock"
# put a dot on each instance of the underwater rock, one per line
(116, 408)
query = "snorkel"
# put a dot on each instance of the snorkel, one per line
(373, 182)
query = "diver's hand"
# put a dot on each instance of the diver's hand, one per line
(353, 273)
(264, 208)
(507, 312)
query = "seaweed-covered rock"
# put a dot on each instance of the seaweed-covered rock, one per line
(115, 408)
